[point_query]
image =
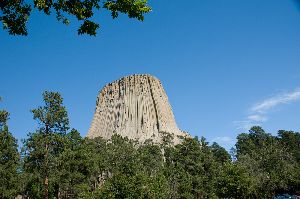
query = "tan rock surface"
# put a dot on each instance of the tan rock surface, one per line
(135, 106)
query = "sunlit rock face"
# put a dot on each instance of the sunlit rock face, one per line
(135, 106)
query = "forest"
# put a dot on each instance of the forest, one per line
(55, 161)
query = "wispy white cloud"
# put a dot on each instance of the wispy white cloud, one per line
(258, 112)
(223, 140)
(272, 102)
(257, 118)
(245, 124)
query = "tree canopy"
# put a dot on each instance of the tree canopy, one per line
(15, 14)
(9, 159)
(56, 162)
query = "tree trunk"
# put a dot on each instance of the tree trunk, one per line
(58, 196)
(46, 181)
(46, 185)
(26, 196)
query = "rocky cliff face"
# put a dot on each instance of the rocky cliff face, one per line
(135, 106)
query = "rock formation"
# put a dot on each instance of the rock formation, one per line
(135, 106)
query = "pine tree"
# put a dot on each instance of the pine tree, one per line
(9, 160)
(42, 148)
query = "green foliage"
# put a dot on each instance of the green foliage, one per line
(4, 116)
(52, 117)
(9, 160)
(14, 14)
(74, 166)
(234, 182)
(191, 169)
(123, 168)
(269, 163)
(58, 163)
(42, 148)
(133, 171)
(290, 140)
(220, 154)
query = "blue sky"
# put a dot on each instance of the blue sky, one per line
(225, 65)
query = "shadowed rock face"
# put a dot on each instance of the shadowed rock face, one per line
(135, 106)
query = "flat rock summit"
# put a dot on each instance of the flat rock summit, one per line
(135, 106)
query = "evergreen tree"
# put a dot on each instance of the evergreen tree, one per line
(61, 164)
(220, 154)
(75, 167)
(290, 140)
(42, 147)
(272, 167)
(191, 169)
(9, 160)
(234, 182)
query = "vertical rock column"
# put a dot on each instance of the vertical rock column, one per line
(135, 106)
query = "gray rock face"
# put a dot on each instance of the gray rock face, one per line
(135, 106)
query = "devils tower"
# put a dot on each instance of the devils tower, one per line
(135, 106)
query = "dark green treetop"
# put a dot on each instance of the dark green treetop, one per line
(4, 115)
(270, 164)
(9, 160)
(52, 117)
(220, 153)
